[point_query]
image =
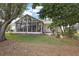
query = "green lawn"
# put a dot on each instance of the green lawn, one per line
(39, 39)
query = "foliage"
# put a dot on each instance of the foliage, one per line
(9, 12)
(61, 14)
(69, 32)
(76, 36)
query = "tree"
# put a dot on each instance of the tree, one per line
(9, 12)
(61, 14)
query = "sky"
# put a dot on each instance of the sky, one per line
(32, 12)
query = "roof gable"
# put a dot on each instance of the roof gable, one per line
(24, 18)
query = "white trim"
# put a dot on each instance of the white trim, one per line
(34, 32)
(26, 32)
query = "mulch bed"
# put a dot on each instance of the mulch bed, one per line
(13, 48)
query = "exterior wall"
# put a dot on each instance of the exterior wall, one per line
(28, 25)
(46, 29)
(47, 22)
(26, 19)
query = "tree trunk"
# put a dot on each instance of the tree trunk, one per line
(2, 31)
(61, 29)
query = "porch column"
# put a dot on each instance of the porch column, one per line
(27, 23)
(36, 26)
(41, 27)
(20, 27)
(23, 26)
(31, 25)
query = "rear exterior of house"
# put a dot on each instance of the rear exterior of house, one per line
(29, 24)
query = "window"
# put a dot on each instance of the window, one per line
(32, 25)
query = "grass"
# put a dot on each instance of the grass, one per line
(76, 36)
(39, 39)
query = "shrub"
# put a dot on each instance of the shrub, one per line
(69, 32)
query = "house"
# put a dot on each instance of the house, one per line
(47, 22)
(30, 25)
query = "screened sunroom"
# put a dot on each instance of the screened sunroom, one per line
(29, 24)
